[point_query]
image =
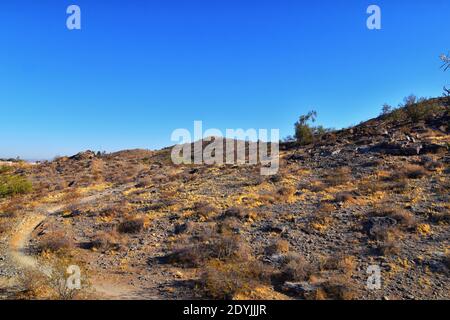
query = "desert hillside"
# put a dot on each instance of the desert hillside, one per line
(140, 227)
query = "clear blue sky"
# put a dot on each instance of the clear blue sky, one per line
(140, 69)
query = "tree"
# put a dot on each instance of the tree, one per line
(446, 60)
(386, 109)
(409, 100)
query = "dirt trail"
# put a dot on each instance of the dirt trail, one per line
(18, 243)
(20, 239)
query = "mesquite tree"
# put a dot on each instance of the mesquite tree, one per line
(446, 60)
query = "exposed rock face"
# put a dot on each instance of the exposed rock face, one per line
(299, 288)
(406, 149)
(86, 155)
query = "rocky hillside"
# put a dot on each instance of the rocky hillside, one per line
(376, 194)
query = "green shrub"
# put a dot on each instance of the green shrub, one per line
(412, 109)
(305, 133)
(5, 169)
(420, 111)
(13, 185)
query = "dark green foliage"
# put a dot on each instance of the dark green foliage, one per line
(305, 133)
(11, 185)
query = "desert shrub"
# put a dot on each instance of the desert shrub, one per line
(234, 212)
(431, 165)
(131, 225)
(407, 172)
(160, 204)
(410, 100)
(277, 247)
(387, 240)
(447, 260)
(4, 227)
(338, 177)
(414, 172)
(57, 280)
(229, 226)
(338, 288)
(314, 186)
(71, 196)
(296, 268)
(5, 169)
(226, 247)
(284, 193)
(224, 280)
(144, 182)
(106, 240)
(160, 178)
(400, 185)
(14, 185)
(413, 109)
(10, 208)
(114, 210)
(397, 115)
(442, 216)
(423, 229)
(420, 111)
(55, 241)
(7, 213)
(226, 264)
(370, 187)
(203, 209)
(326, 208)
(276, 178)
(223, 246)
(404, 218)
(322, 218)
(343, 197)
(187, 256)
(97, 170)
(341, 263)
(388, 247)
(33, 285)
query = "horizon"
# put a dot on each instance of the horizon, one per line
(136, 72)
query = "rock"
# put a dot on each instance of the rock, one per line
(83, 155)
(375, 224)
(297, 157)
(299, 288)
(434, 148)
(397, 149)
(336, 152)
(273, 228)
(182, 228)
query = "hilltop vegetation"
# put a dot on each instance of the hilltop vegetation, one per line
(11, 184)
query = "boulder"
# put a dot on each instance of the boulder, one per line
(299, 288)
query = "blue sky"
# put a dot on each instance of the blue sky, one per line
(140, 69)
